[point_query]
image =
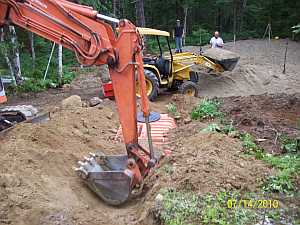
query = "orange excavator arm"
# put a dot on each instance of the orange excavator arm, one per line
(83, 30)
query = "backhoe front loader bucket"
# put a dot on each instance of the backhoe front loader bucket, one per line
(107, 176)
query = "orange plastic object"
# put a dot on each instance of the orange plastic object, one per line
(108, 90)
(159, 132)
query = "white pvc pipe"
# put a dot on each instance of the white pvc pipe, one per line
(107, 18)
(47, 68)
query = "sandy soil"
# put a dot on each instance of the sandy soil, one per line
(259, 70)
(39, 186)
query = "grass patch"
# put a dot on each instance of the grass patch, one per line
(207, 109)
(288, 166)
(289, 145)
(172, 109)
(216, 210)
(227, 129)
(212, 127)
(250, 145)
(180, 208)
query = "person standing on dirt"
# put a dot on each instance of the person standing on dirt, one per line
(179, 33)
(216, 41)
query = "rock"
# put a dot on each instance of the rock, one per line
(72, 102)
(66, 86)
(114, 131)
(109, 116)
(95, 101)
(187, 120)
(158, 200)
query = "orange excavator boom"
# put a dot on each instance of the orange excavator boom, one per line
(85, 32)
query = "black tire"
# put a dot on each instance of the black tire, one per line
(150, 77)
(194, 77)
(189, 88)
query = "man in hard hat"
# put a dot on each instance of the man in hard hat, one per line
(216, 41)
(178, 36)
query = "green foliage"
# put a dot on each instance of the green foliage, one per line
(180, 208)
(68, 76)
(228, 128)
(152, 46)
(183, 208)
(289, 145)
(212, 127)
(34, 85)
(207, 109)
(296, 29)
(173, 110)
(215, 211)
(198, 36)
(280, 183)
(250, 145)
(288, 166)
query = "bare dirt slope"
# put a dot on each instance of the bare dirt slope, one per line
(39, 187)
(258, 71)
(37, 182)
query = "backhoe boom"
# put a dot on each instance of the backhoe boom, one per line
(82, 30)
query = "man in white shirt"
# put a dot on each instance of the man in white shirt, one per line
(216, 41)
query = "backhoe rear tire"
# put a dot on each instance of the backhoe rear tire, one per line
(189, 88)
(152, 85)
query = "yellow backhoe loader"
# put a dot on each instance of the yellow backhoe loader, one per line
(173, 71)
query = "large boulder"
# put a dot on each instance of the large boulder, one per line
(72, 102)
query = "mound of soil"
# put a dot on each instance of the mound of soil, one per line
(259, 71)
(266, 117)
(203, 163)
(211, 162)
(37, 182)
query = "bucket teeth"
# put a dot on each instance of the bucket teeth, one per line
(92, 154)
(87, 159)
(81, 163)
(82, 170)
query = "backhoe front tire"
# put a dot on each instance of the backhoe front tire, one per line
(189, 88)
(152, 85)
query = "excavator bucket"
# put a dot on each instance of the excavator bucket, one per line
(107, 176)
(111, 177)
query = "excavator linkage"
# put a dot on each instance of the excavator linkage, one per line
(94, 41)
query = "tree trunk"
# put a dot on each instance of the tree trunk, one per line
(184, 25)
(5, 54)
(32, 50)
(11, 52)
(15, 55)
(140, 14)
(114, 6)
(60, 66)
(244, 5)
(234, 20)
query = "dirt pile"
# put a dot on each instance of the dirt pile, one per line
(37, 182)
(203, 163)
(259, 70)
(208, 163)
(266, 117)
